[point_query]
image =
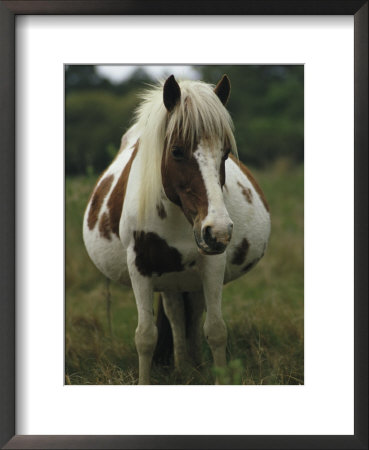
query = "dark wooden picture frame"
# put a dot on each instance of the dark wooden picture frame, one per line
(8, 12)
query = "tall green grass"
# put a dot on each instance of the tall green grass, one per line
(263, 310)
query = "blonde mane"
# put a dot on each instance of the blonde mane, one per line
(199, 114)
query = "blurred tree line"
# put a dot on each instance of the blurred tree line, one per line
(266, 104)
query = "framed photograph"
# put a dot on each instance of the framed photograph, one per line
(297, 324)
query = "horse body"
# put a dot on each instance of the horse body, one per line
(109, 252)
(205, 222)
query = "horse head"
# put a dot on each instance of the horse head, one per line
(197, 143)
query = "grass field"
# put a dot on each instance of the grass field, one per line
(264, 310)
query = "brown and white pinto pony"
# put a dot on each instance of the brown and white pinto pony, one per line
(176, 212)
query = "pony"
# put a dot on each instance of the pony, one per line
(176, 212)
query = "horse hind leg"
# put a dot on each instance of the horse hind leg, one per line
(175, 311)
(194, 322)
(163, 354)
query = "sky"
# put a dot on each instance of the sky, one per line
(119, 73)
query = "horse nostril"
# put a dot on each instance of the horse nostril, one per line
(215, 242)
(207, 234)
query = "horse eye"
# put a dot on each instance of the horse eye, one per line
(178, 152)
(226, 153)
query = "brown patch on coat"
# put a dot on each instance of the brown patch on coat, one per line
(250, 265)
(116, 199)
(154, 256)
(100, 192)
(246, 192)
(161, 211)
(254, 262)
(240, 252)
(249, 175)
(104, 227)
(183, 184)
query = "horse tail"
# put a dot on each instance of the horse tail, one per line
(164, 348)
(164, 352)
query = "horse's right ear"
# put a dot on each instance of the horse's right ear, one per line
(171, 93)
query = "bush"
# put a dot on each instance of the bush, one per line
(94, 124)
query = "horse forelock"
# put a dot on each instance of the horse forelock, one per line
(198, 115)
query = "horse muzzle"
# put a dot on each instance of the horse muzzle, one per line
(213, 241)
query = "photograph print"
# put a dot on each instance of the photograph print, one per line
(184, 225)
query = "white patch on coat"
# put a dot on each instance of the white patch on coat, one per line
(251, 220)
(209, 160)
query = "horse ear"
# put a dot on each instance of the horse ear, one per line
(223, 89)
(171, 93)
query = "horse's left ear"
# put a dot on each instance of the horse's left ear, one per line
(223, 89)
(171, 93)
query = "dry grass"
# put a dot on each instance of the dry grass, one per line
(264, 310)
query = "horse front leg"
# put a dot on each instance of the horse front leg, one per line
(146, 335)
(214, 326)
